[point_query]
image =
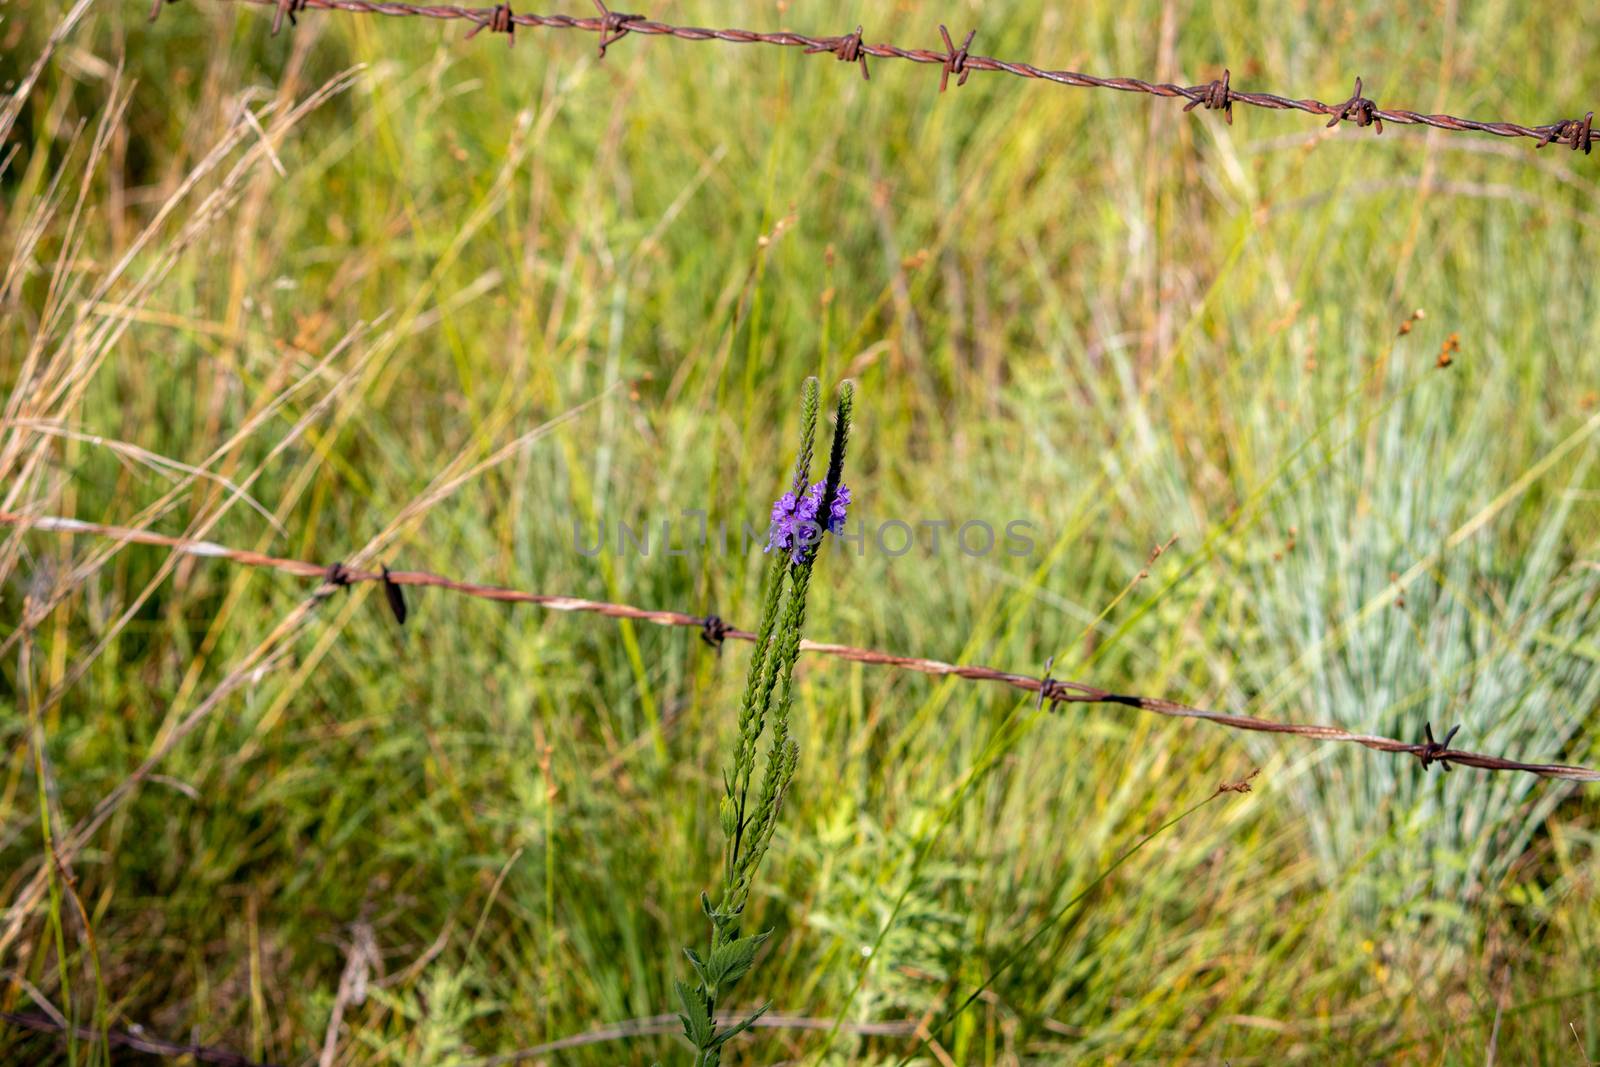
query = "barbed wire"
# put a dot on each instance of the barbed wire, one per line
(1217, 95)
(714, 630)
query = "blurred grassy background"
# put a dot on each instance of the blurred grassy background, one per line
(1085, 310)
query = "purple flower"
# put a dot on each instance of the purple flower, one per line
(836, 510)
(795, 527)
(794, 524)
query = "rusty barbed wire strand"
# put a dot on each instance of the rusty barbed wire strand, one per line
(714, 631)
(1218, 95)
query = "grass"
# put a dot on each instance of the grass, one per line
(1083, 310)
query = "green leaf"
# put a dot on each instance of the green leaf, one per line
(696, 1017)
(730, 962)
(741, 1027)
(699, 966)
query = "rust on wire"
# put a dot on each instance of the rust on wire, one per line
(1054, 690)
(501, 21)
(1574, 133)
(1357, 109)
(847, 49)
(956, 59)
(289, 8)
(613, 26)
(1214, 96)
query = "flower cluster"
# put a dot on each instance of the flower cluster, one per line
(796, 525)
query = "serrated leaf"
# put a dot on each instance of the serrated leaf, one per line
(696, 1018)
(730, 962)
(699, 966)
(740, 1027)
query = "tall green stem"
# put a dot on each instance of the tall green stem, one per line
(748, 827)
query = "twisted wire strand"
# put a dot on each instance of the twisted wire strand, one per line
(1054, 690)
(611, 27)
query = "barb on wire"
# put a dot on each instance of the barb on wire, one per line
(391, 593)
(1049, 688)
(847, 49)
(1574, 133)
(286, 7)
(955, 61)
(1214, 96)
(714, 631)
(1437, 751)
(613, 26)
(1054, 690)
(337, 577)
(503, 20)
(1358, 109)
(1217, 95)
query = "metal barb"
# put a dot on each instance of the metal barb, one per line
(1214, 96)
(846, 48)
(613, 25)
(1357, 109)
(336, 577)
(1434, 751)
(714, 631)
(397, 600)
(501, 20)
(1574, 133)
(286, 7)
(1049, 688)
(955, 60)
